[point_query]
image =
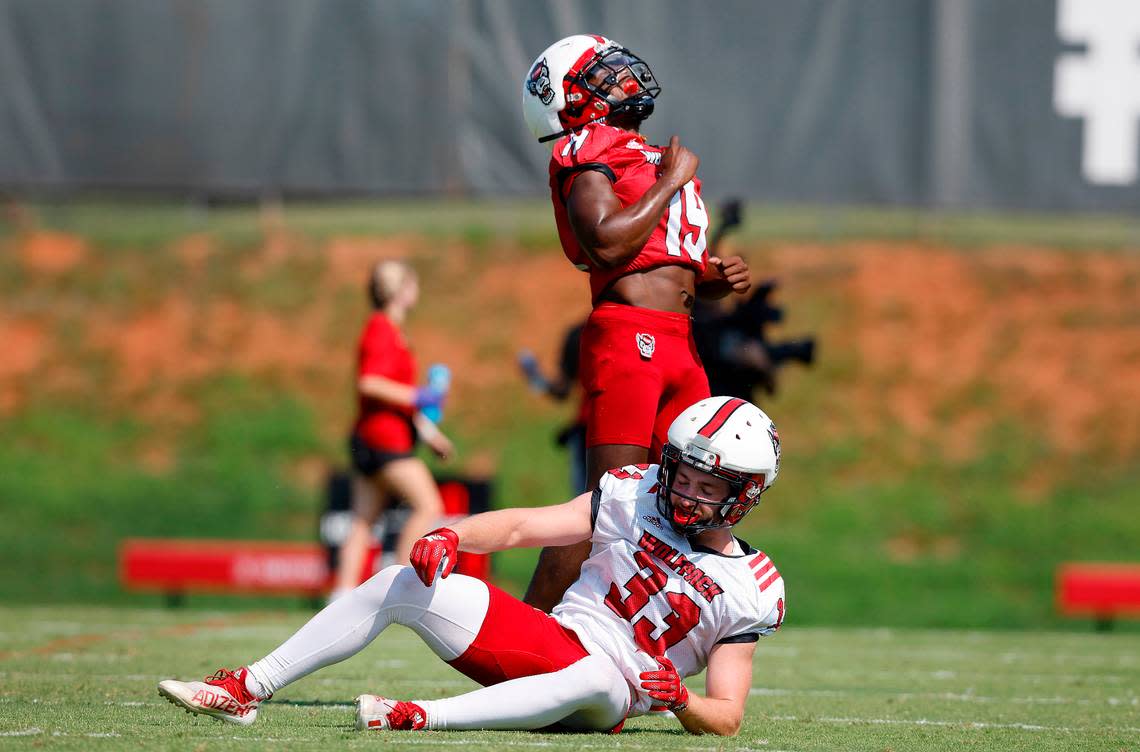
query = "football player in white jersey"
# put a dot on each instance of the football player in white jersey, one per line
(666, 592)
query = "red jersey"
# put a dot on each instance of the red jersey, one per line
(382, 351)
(631, 165)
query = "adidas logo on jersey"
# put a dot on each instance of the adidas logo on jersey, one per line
(654, 521)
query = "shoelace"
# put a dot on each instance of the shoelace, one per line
(230, 682)
(401, 716)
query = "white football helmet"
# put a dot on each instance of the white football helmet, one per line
(569, 85)
(728, 438)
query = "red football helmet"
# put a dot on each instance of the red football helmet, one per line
(584, 78)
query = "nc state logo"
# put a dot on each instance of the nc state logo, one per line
(538, 82)
(646, 344)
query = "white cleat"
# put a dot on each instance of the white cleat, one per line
(222, 696)
(376, 713)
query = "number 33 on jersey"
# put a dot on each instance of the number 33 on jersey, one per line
(646, 591)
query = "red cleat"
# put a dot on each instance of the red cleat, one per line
(382, 714)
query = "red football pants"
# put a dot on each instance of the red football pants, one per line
(639, 370)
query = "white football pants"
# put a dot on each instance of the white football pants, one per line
(590, 694)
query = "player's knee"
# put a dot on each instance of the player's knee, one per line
(597, 678)
(600, 694)
(389, 583)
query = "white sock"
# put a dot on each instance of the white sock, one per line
(590, 694)
(255, 687)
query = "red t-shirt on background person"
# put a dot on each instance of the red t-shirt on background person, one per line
(382, 351)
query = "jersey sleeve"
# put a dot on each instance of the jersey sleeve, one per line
(614, 504)
(589, 149)
(762, 612)
(772, 609)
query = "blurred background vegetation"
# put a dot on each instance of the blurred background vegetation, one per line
(185, 370)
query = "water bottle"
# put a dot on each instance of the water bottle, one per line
(529, 365)
(438, 378)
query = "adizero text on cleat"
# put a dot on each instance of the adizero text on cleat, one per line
(222, 696)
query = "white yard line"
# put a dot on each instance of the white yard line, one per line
(963, 724)
(887, 653)
(953, 696)
(949, 674)
(619, 742)
(72, 675)
(34, 731)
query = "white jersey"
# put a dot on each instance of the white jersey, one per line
(645, 590)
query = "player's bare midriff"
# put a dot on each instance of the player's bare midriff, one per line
(660, 288)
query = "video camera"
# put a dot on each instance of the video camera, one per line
(752, 316)
(734, 346)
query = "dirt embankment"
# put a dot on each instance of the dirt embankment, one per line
(931, 337)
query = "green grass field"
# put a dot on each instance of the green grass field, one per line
(84, 678)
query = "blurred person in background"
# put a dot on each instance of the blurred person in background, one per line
(572, 436)
(630, 214)
(388, 424)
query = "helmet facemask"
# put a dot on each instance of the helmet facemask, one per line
(744, 491)
(594, 85)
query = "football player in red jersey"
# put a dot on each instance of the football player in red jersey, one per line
(630, 214)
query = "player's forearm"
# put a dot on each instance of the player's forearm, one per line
(707, 715)
(558, 525)
(426, 428)
(386, 390)
(504, 529)
(488, 532)
(619, 237)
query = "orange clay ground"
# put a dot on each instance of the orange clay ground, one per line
(913, 338)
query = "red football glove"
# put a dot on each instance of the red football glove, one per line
(665, 685)
(440, 545)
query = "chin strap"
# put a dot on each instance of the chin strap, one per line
(553, 136)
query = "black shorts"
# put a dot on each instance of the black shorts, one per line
(368, 460)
